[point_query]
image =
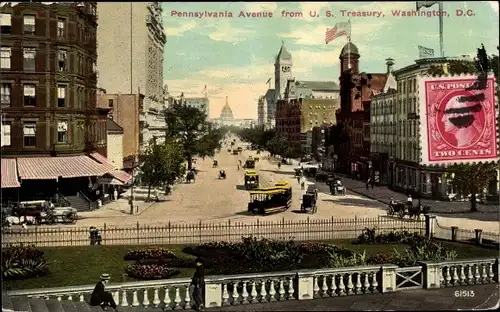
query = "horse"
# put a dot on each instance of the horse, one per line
(11, 220)
(416, 211)
(397, 208)
(190, 177)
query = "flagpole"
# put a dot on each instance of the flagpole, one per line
(441, 28)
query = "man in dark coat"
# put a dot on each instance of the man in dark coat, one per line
(100, 297)
(198, 282)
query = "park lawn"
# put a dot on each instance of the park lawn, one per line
(70, 266)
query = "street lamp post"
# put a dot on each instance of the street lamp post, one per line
(131, 200)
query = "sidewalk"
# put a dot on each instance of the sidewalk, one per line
(485, 296)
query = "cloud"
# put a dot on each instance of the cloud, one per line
(261, 7)
(181, 28)
(225, 32)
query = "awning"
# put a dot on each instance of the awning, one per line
(49, 168)
(109, 181)
(9, 173)
(112, 169)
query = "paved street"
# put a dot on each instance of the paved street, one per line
(212, 200)
(485, 297)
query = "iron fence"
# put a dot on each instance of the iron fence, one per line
(172, 234)
(465, 235)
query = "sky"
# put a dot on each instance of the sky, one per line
(234, 57)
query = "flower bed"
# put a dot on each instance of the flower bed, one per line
(151, 263)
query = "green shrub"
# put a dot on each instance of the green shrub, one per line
(23, 262)
(368, 236)
(339, 261)
(380, 258)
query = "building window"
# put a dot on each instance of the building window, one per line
(29, 92)
(61, 27)
(6, 90)
(5, 55)
(62, 57)
(110, 103)
(29, 24)
(6, 133)
(61, 96)
(62, 132)
(5, 23)
(29, 134)
(29, 58)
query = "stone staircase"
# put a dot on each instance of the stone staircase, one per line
(25, 304)
(79, 202)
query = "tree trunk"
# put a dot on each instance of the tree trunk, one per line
(149, 191)
(190, 162)
(473, 203)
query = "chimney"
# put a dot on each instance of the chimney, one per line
(389, 62)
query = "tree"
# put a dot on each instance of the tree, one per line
(277, 145)
(162, 164)
(189, 126)
(471, 179)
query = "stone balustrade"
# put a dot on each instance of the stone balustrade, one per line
(174, 294)
(461, 272)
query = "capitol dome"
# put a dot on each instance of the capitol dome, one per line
(227, 112)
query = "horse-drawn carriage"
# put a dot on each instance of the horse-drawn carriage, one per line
(403, 209)
(191, 176)
(249, 163)
(222, 174)
(271, 199)
(40, 212)
(309, 200)
(215, 164)
(336, 186)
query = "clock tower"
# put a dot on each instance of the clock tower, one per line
(282, 72)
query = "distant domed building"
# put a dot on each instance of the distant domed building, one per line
(226, 118)
(227, 113)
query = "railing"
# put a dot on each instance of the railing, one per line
(454, 233)
(92, 204)
(288, 285)
(300, 230)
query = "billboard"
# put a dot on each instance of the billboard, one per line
(457, 121)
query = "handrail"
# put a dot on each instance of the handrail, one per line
(90, 202)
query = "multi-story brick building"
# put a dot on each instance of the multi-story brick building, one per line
(48, 80)
(131, 40)
(356, 91)
(261, 112)
(48, 98)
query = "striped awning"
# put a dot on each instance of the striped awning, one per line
(9, 173)
(113, 170)
(49, 168)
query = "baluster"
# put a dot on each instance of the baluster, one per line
(341, 285)
(253, 293)
(491, 275)
(272, 291)
(124, 298)
(462, 274)
(177, 298)
(324, 286)
(374, 281)
(316, 287)
(263, 292)
(235, 295)
(70, 297)
(116, 296)
(225, 295)
(187, 299)
(59, 298)
(477, 277)
(441, 277)
(244, 293)
(166, 300)
(484, 276)
(156, 298)
(470, 277)
(82, 298)
(291, 291)
(135, 300)
(334, 285)
(350, 285)
(455, 275)
(145, 300)
(281, 290)
(366, 283)
(447, 276)
(358, 283)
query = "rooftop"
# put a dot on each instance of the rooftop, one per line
(113, 127)
(318, 85)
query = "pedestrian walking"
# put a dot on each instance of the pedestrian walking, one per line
(372, 183)
(101, 297)
(198, 284)
(367, 184)
(298, 179)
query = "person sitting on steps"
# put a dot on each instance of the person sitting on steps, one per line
(100, 297)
